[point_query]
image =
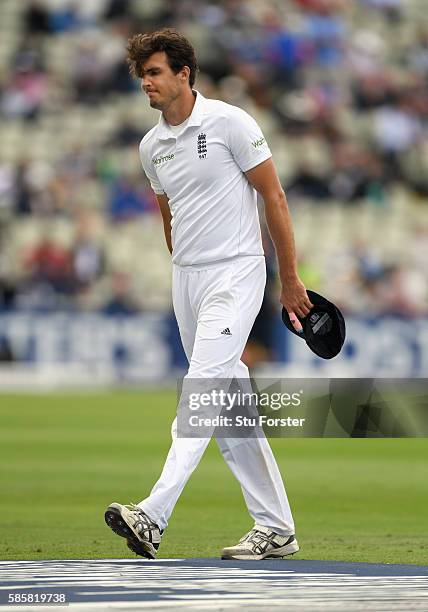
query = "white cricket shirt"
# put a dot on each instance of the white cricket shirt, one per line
(201, 170)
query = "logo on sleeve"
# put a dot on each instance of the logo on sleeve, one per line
(258, 143)
(202, 145)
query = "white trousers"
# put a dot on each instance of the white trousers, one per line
(207, 300)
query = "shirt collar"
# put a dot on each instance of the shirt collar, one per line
(164, 132)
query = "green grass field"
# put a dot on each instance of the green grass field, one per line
(65, 457)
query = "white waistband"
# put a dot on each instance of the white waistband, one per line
(214, 264)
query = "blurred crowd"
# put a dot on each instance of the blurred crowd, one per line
(340, 89)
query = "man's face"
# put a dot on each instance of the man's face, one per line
(159, 82)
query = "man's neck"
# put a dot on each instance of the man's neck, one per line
(180, 109)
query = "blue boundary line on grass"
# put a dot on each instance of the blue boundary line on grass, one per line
(165, 582)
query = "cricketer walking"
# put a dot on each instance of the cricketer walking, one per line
(207, 161)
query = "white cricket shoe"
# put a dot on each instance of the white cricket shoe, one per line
(142, 534)
(261, 543)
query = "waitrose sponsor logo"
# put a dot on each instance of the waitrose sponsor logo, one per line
(258, 143)
(162, 159)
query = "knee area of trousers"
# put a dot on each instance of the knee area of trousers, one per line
(210, 372)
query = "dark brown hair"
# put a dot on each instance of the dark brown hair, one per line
(178, 49)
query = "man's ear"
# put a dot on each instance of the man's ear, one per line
(185, 73)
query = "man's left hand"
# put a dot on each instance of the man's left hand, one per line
(295, 301)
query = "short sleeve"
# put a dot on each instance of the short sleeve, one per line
(246, 141)
(150, 171)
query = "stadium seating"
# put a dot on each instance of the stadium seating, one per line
(75, 148)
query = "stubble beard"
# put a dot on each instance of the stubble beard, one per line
(155, 104)
(165, 104)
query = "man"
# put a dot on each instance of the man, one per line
(206, 160)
